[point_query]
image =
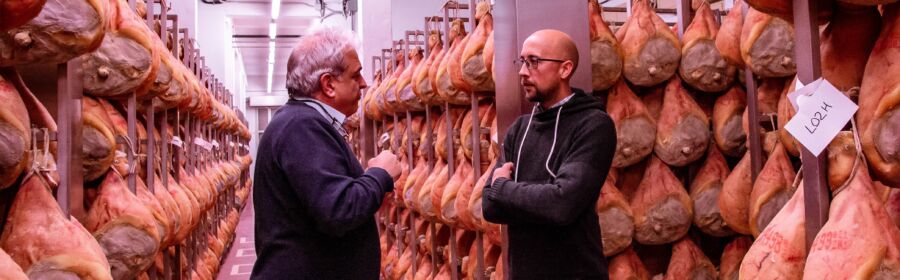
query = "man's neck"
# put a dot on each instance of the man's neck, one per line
(560, 94)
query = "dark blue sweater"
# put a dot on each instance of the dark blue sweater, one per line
(314, 203)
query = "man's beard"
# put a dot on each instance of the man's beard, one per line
(540, 95)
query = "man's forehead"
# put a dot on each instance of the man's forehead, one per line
(534, 46)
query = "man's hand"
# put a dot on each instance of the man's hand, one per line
(503, 172)
(387, 161)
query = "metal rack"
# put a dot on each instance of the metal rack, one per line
(510, 103)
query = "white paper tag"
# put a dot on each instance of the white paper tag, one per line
(823, 111)
(801, 89)
(215, 143)
(177, 141)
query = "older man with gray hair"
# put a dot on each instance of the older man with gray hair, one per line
(315, 204)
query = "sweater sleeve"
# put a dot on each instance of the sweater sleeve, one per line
(313, 161)
(492, 211)
(575, 189)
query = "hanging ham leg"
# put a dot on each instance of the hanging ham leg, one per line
(627, 266)
(15, 134)
(652, 51)
(45, 243)
(730, 265)
(772, 189)
(726, 120)
(728, 40)
(785, 113)
(662, 207)
(859, 240)
(9, 270)
(892, 204)
(734, 201)
(478, 56)
(780, 250)
(616, 218)
(17, 13)
(767, 45)
(63, 30)
(702, 65)
(125, 229)
(847, 42)
(99, 142)
(688, 262)
(606, 54)
(636, 129)
(705, 192)
(879, 114)
(682, 133)
(126, 60)
(448, 89)
(421, 81)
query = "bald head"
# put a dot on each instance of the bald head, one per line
(554, 44)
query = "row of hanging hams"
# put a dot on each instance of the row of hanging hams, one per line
(121, 55)
(447, 75)
(682, 171)
(124, 233)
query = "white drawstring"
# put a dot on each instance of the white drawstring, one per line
(522, 143)
(552, 146)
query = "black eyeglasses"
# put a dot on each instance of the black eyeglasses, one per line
(532, 61)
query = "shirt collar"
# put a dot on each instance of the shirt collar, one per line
(330, 112)
(560, 103)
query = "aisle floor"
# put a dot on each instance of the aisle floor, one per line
(239, 262)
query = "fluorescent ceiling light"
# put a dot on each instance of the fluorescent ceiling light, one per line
(271, 51)
(269, 78)
(273, 29)
(276, 8)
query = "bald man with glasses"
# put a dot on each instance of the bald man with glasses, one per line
(553, 163)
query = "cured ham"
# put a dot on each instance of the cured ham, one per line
(127, 59)
(688, 262)
(772, 189)
(705, 191)
(780, 250)
(606, 54)
(728, 131)
(652, 51)
(635, 128)
(858, 240)
(61, 31)
(62, 248)
(16, 13)
(476, 61)
(124, 227)
(729, 266)
(662, 208)
(627, 266)
(702, 65)
(616, 218)
(15, 134)
(734, 200)
(767, 45)
(421, 81)
(879, 114)
(682, 132)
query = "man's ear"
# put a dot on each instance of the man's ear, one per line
(566, 69)
(326, 81)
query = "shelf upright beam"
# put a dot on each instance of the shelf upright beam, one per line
(70, 193)
(809, 69)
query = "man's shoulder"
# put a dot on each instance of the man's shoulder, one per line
(296, 116)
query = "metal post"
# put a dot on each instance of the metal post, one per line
(755, 149)
(69, 91)
(809, 69)
(683, 9)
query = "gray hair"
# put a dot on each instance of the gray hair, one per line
(318, 53)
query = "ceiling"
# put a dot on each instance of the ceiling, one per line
(251, 38)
